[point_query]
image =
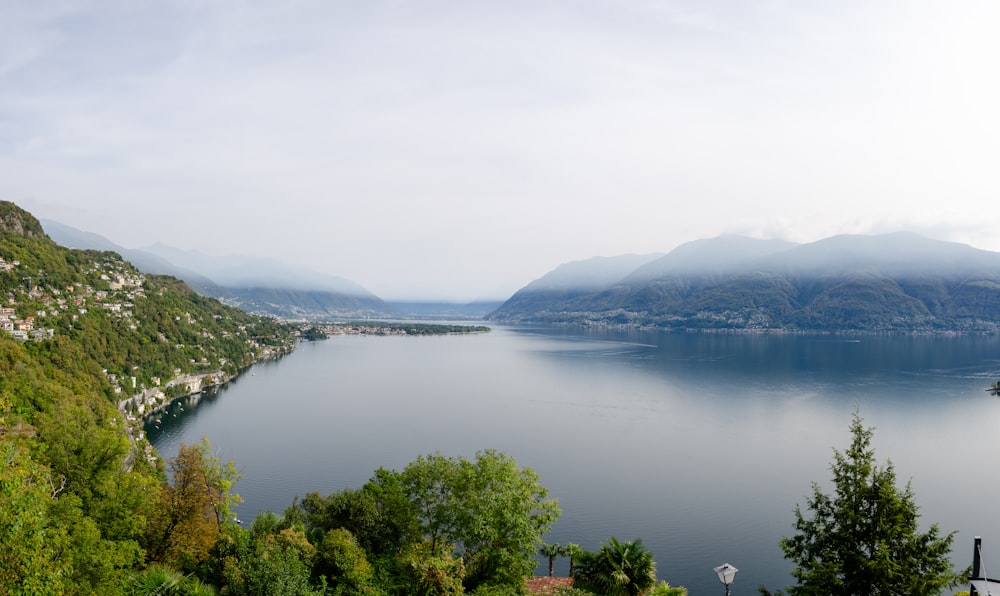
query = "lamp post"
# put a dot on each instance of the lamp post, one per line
(727, 573)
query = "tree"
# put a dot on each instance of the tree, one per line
(379, 515)
(571, 550)
(157, 580)
(551, 551)
(344, 563)
(618, 569)
(664, 589)
(266, 559)
(431, 484)
(431, 574)
(864, 539)
(29, 561)
(494, 512)
(195, 508)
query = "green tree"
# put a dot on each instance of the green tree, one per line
(431, 574)
(379, 515)
(267, 559)
(157, 580)
(618, 569)
(344, 563)
(29, 561)
(572, 551)
(664, 589)
(863, 539)
(431, 485)
(550, 551)
(494, 511)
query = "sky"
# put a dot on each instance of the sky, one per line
(459, 150)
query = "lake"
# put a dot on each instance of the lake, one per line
(700, 444)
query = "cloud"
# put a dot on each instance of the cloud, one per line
(465, 149)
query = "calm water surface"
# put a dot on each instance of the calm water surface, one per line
(701, 445)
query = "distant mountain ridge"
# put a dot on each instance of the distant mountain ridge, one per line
(144, 261)
(889, 282)
(256, 285)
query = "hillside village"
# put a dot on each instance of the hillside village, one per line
(33, 303)
(34, 310)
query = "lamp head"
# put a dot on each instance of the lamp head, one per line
(727, 573)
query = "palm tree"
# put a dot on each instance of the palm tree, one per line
(619, 568)
(163, 581)
(551, 551)
(572, 551)
(158, 580)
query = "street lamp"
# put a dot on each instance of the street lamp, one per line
(727, 573)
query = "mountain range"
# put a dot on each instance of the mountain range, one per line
(876, 283)
(889, 282)
(264, 286)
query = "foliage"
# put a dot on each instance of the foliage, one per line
(494, 511)
(379, 514)
(432, 573)
(263, 560)
(158, 580)
(863, 539)
(664, 589)
(340, 559)
(14, 220)
(573, 551)
(194, 508)
(550, 551)
(29, 560)
(445, 524)
(313, 333)
(618, 568)
(75, 514)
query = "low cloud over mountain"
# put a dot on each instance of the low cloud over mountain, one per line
(891, 282)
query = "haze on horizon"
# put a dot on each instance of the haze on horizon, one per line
(437, 150)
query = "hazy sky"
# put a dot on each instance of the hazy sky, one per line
(461, 149)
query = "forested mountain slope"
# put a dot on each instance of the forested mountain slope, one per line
(81, 500)
(891, 282)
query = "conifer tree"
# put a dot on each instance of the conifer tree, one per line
(864, 539)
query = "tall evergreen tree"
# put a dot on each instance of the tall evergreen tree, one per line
(864, 539)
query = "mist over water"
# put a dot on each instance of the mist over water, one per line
(700, 444)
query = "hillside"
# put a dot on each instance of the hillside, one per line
(559, 290)
(82, 331)
(892, 282)
(145, 261)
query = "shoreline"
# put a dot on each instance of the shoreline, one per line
(158, 402)
(749, 331)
